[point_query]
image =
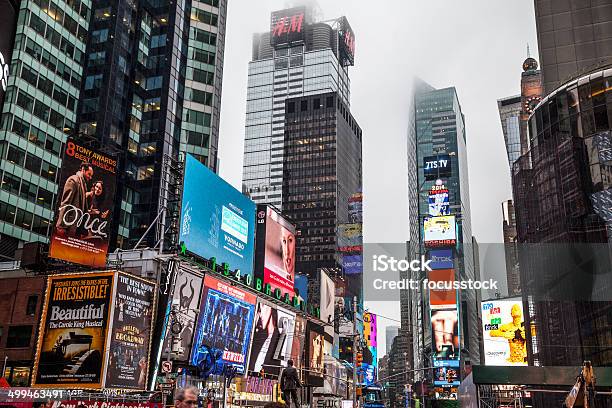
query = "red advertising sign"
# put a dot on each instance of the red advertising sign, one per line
(288, 26)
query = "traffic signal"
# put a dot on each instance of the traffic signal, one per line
(359, 359)
(358, 391)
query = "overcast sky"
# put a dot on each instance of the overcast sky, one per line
(477, 46)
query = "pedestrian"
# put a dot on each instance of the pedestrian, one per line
(290, 382)
(186, 397)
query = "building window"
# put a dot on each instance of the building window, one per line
(18, 336)
(31, 306)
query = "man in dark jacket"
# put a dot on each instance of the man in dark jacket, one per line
(289, 383)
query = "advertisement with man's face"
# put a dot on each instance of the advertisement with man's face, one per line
(503, 328)
(445, 334)
(315, 344)
(128, 355)
(84, 206)
(73, 332)
(224, 325)
(272, 338)
(217, 221)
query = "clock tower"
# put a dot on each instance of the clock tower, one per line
(531, 95)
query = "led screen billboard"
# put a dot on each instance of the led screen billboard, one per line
(440, 231)
(327, 301)
(84, 206)
(435, 167)
(445, 334)
(217, 220)
(370, 333)
(128, 353)
(8, 19)
(315, 343)
(301, 287)
(272, 338)
(346, 42)
(288, 26)
(503, 328)
(444, 295)
(73, 332)
(275, 250)
(441, 258)
(446, 373)
(224, 325)
(438, 201)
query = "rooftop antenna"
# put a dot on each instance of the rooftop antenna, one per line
(528, 53)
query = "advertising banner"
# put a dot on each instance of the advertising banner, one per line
(435, 167)
(128, 358)
(503, 327)
(352, 264)
(315, 343)
(370, 332)
(301, 287)
(355, 208)
(224, 325)
(272, 338)
(288, 26)
(89, 403)
(441, 259)
(328, 301)
(440, 231)
(446, 373)
(217, 220)
(276, 245)
(438, 200)
(8, 20)
(442, 298)
(74, 326)
(299, 334)
(346, 42)
(445, 334)
(84, 206)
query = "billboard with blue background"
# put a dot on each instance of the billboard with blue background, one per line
(217, 220)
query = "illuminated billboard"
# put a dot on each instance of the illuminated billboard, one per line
(441, 259)
(327, 301)
(315, 343)
(435, 167)
(346, 42)
(275, 250)
(438, 203)
(272, 338)
(84, 206)
(217, 221)
(224, 325)
(440, 231)
(8, 19)
(288, 26)
(72, 340)
(445, 295)
(446, 373)
(445, 334)
(370, 333)
(503, 328)
(352, 264)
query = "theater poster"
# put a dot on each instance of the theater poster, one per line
(85, 204)
(73, 331)
(128, 354)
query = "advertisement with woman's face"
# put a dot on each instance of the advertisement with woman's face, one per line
(279, 264)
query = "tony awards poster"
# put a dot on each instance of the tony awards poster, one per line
(72, 336)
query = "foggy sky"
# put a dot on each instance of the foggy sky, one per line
(477, 46)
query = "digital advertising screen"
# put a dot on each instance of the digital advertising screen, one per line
(355, 208)
(441, 259)
(440, 231)
(445, 334)
(224, 324)
(299, 334)
(84, 206)
(370, 333)
(346, 42)
(288, 26)
(8, 20)
(272, 338)
(328, 301)
(73, 333)
(217, 220)
(438, 203)
(435, 167)
(446, 373)
(315, 344)
(445, 297)
(275, 250)
(301, 287)
(128, 355)
(503, 329)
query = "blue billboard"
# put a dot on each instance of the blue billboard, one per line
(446, 372)
(441, 259)
(217, 220)
(301, 286)
(352, 264)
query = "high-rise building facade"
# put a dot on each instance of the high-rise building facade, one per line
(440, 194)
(40, 109)
(513, 272)
(298, 57)
(509, 115)
(574, 37)
(390, 333)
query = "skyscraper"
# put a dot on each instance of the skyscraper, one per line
(297, 57)
(440, 194)
(513, 273)
(573, 38)
(510, 117)
(390, 333)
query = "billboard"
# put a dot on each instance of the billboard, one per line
(301, 287)
(275, 250)
(272, 338)
(84, 206)
(224, 325)
(370, 332)
(299, 334)
(503, 328)
(352, 264)
(8, 19)
(72, 338)
(438, 200)
(445, 334)
(315, 343)
(327, 301)
(355, 208)
(346, 42)
(440, 231)
(128, 354)
(435, 167)
(441, 259)
(446, 297)
(446, 373)
(288, 26)
(217, 220)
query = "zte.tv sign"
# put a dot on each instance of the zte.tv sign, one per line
(288, 26)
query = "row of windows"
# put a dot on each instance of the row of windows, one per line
(44, 112)
(197, 138)
(205, 57)
(45, 57)
(56, 12)
(203, 16)
(24, 219)
(31, 162)
(34, 135)
(26, 190)
(77, 5)
(203, 36)
(197, 118)
(198, 96)
(202, 76)
(47, 86)
(65, 45)
(214, 3)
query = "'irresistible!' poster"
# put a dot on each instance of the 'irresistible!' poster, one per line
(72, 335)
(130, 334)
